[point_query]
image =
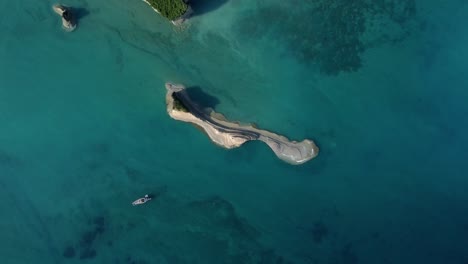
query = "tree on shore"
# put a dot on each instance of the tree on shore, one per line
(171, 9)
(178, 105)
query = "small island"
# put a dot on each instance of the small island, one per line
(230, 134)
(177, 11)
(68, 20)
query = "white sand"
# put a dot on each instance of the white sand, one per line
(155, 10)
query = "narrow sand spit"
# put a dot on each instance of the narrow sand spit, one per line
(230, 134)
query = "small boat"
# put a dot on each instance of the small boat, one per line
(141, 200)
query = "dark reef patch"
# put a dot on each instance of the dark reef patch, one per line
(86, 241)
(133, 173)
(332, 34)
(343, 254)
(8, 160)
(348, 256)
(220, 233)
(69, 252)
(207, 230)
(217, 212)
(87, 238)
(319, 232)
(130, 260)
(88, 253)
(99, 221)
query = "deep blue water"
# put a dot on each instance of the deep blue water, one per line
(379, 85)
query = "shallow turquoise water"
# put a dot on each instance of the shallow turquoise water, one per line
(381, 87)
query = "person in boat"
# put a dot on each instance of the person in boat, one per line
(142, 200)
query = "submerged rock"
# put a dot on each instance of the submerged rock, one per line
(88, 254)
(319, 232)
(69, 252)
(99, 221)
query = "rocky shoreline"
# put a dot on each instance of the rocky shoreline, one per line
(230, 134)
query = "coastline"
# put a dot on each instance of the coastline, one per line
(230, 134)
(155, 10)
(179, 20)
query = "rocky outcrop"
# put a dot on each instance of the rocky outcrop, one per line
(68, 19)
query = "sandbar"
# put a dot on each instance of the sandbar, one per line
(229, 134)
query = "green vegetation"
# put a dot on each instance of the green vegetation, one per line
(171, 9)
(178, 105)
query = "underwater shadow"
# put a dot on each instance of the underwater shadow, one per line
(201, 98)
(9, 161)
(79, 12)
(201, 7)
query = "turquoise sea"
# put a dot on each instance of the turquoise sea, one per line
(379, 85)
